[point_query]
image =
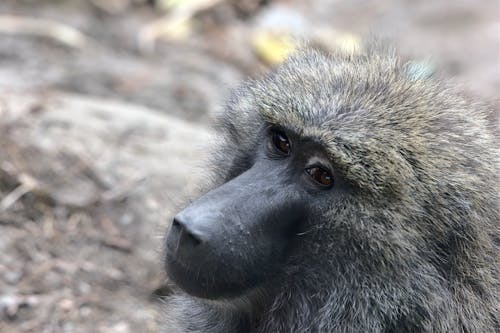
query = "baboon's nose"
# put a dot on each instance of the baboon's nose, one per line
(186, 232)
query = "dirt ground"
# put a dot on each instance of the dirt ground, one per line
(101, 142)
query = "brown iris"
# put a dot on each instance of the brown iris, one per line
(320, 175)
(281, 142)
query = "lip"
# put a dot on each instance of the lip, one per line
(170, 250)
(176, 269)
(173, 260)
(184, 277)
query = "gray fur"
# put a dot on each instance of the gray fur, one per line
(414, 248)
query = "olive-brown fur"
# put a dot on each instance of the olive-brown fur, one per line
(414, 247)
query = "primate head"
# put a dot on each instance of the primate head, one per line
(233, 238)
(340, 173)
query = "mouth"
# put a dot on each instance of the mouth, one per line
(172, 262)
(193, 280)
(213, 281)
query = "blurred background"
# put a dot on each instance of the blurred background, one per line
(105, 110)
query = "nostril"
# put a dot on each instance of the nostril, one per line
(187, 234)
(176, 224)
(194, 239)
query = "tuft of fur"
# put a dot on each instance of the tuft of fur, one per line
(414, 247)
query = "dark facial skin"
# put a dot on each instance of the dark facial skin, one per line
(234, 238)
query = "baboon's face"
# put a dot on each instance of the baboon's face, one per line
(234, 238)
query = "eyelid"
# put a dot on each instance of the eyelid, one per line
(310, 176)
(318, 163)
(273, 131)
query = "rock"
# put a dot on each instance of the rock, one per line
(82, 150)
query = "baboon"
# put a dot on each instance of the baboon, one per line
(348, 196)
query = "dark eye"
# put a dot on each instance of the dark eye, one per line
(320, 176)
(281, 142)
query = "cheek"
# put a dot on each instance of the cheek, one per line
(253, 248)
